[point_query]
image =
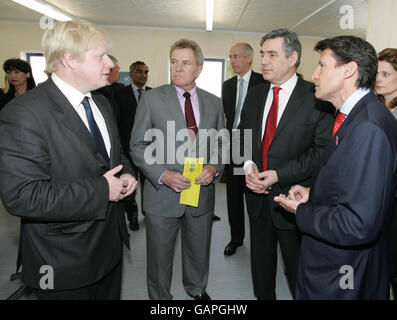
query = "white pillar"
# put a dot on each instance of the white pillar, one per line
(382, 24)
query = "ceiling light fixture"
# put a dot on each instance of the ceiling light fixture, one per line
(209, 14)
(44, 9)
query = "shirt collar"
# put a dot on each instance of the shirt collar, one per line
(136, 87)
(180, 91)
(350, 102)
(246, 77)
(289, 85)
(74, 96)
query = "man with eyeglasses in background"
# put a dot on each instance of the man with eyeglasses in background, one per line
(127, 100)
(234, 91)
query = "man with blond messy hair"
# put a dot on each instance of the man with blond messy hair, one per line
(63, 172)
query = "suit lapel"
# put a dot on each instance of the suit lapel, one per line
(202, 106)
(233, 93)
(174, 107)
(71, 120)
(112, 131)
(292, 107)
(344, 130)
(259, 116)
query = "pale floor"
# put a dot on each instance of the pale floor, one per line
(229, 278)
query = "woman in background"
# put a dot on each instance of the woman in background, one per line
(19, 79)
(386, 88)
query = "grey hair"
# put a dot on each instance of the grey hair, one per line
(249, 51)
(185, 43)
(291, 42)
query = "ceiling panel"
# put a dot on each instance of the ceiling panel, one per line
(230, 15)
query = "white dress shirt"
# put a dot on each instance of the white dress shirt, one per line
(246, 81)
(75, 98)
(283, 98)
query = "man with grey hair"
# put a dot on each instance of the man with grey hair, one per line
(186, 108)
(290, 129)
(234, 91)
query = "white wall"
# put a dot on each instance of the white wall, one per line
(151, 46)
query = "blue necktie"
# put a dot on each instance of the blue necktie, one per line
(95, 132)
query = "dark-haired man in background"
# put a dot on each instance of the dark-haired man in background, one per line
(344, 216)
(127, 100)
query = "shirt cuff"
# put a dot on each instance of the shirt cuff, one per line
(159, 181)
(247, 164)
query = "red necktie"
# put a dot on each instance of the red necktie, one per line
(189, 115)
(338, 121)
(271, 125)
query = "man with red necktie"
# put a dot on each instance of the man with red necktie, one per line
(345, 216)
(290, 129)
(186, 108)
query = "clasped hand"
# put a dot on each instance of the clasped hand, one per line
(260, 182)
(120, 188)
(177, 182)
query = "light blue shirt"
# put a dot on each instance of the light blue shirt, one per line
(353, 99)
(136, 92)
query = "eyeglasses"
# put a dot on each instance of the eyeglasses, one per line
(234, 56)
(141, 72)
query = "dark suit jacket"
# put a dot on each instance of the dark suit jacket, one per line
(344, 221)
(109, 92)
(229, 91)
(301, 136)
(127, 104)
(52, 177)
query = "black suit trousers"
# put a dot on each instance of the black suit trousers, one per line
(264, 239)
(235, 189)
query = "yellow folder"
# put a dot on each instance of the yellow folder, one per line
(191, 170)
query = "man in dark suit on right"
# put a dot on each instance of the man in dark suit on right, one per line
(127, 100)
(345, 216)
(290, 129)
(234, 91)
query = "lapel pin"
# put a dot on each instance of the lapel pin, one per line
(336, 140)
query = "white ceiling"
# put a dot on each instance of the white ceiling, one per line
(303, 16)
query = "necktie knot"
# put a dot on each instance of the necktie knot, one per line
(86, 103)
(276, 90)
(338, 122)
(186, 95)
